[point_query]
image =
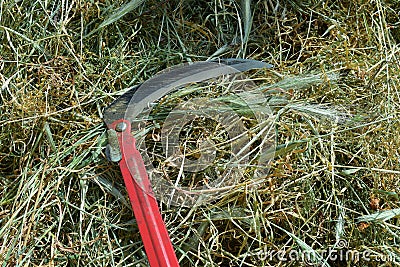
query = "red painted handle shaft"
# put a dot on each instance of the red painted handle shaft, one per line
(157, 243)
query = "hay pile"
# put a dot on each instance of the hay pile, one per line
(336, 172)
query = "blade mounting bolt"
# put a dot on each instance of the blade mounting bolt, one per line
(120, 127)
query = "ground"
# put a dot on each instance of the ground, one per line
(333, 183)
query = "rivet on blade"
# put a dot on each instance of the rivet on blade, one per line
(120, 127)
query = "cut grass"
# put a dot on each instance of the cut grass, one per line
(61, 63)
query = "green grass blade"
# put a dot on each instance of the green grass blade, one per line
(247, 19)
(125, 9)
(380, 216)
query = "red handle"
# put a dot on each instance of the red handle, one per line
(157, 243)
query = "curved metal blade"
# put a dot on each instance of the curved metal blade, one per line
(133, 102)
(116, 110)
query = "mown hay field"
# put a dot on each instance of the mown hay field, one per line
(334, 182)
